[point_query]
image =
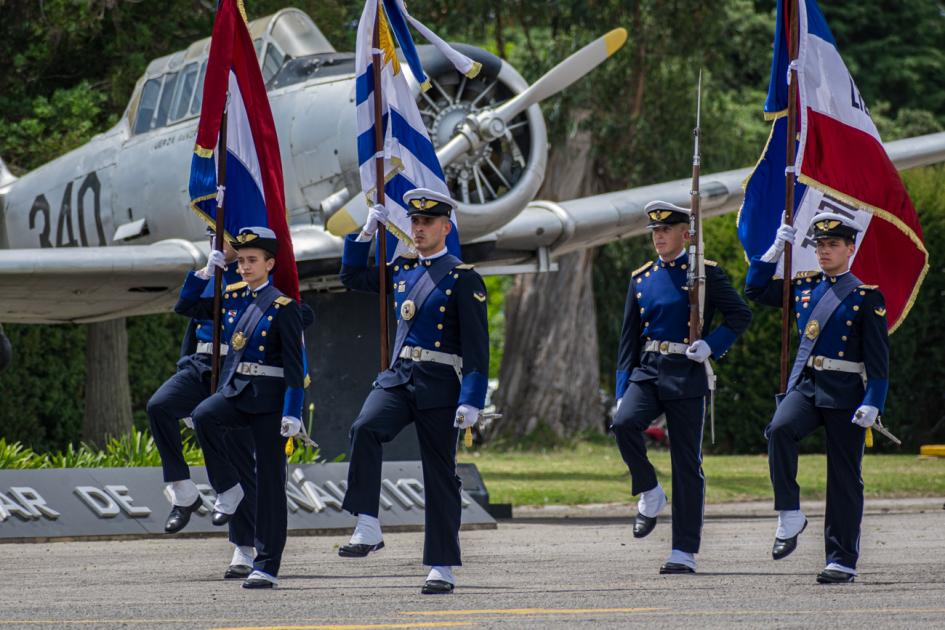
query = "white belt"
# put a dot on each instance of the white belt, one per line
(255, 369)
(422, 354)
(665, 347)
(205, 347)
(836, 365)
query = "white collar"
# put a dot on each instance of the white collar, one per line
(442, 252)
(260, 287)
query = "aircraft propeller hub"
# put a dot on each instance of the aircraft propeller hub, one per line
(448, 122)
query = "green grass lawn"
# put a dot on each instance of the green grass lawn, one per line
(592, 471)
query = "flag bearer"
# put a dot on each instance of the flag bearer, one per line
(260, 388)
(437, 381)
(839, 381)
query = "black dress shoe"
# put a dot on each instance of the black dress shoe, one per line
(436, 587)
(180, 516)
(237, 572)
(220, 518)
(673, 568)
(358, 551)
(829, 576)
(784, 546)
(258, 583)
(643, 525)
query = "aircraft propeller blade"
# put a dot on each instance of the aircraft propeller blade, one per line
(492, 123)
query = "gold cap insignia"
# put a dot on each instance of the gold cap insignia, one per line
(407, 310)
(828, 224)
(812, 330)
(422, 203)
(246, 237)
(659, 215)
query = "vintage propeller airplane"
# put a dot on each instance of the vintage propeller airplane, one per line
(105, 231)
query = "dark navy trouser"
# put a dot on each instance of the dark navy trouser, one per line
(213, 418)
(641, 405)
(384, 414)
(795, 418)
(177, 398)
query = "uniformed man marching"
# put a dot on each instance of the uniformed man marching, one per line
(839, 381)
(661, 371)
(437, 380)
(176, 399)
(260, 388)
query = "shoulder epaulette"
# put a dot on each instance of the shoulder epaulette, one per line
(283, 300)
(711, 263)
(805, 274)
(236, 286)
(642, 269)
(465, 266)
(868, 286)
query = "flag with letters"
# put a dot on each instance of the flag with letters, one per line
(841, 167)
(253, 193)
(409, 155)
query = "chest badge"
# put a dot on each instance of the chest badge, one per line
(401, 286)
(812, 330)
(407, 310)
(239, 340)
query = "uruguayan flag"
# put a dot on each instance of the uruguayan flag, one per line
(409, 156)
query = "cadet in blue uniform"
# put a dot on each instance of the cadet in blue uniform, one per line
(661, 371)
(838, 381)
(176, 399)
(437, 380)
(261, 388)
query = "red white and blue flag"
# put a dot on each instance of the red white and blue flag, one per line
(254, 194)
(841, 167)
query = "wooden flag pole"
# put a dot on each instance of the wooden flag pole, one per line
(789, 180)
(379, 186)
(218, 246)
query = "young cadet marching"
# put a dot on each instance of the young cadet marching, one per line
(260, 388)
(176, 399)
(661, 371)
(437, 380)
(839, 381)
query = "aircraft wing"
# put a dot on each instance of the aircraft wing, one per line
(567, 226)
(88, 284)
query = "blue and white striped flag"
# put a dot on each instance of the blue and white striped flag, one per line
(409, 156)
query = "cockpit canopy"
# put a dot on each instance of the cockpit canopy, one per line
(171, 89)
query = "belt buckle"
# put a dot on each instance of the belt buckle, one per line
(415, 353)
(818, 362)
(664, 347)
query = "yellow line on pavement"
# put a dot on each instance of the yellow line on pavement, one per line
(360, 626)
(531, 611)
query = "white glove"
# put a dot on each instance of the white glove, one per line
(215, 259)
(189, 422)
(466, 417)
(865, 416)
(699, 351)
(784, 235)
(290, 426)
(376, 215)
